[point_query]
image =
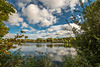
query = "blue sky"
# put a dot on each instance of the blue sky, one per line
(43, 18)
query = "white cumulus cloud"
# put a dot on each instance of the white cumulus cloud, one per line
(24, 25)
(31, 29)
(58, 5)
(15, 19)
(36, 15)
(21, 4)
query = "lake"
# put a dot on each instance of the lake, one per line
(55, 51)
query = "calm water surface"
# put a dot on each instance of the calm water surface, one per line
(56, 53)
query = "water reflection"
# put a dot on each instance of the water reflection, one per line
(55, 50)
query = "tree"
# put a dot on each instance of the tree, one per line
(49, 40)
(89, 41)
(39, 40)
(5, 9)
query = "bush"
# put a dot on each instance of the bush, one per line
(77, 61)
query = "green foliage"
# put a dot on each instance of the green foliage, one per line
(5, 9)
(16, 60)
(40, 40)
(77, 61)
(3, 29)
(88, 43)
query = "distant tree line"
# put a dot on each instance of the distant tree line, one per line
(40, 40)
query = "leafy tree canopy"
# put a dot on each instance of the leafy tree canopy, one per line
(5, 9)
(89, 41)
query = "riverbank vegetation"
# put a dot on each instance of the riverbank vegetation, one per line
(86, 41)
(40, 40)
